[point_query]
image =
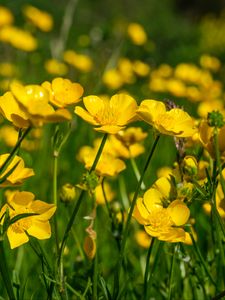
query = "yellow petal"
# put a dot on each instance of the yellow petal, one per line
(152, 199)
(126, 107)
(16, 239)
(40, 230)
(44, 210)
(85, 115)
(163, 185)
(94, 104)
(149, 110)
(178, 212)
(140, 212)
(112, 129)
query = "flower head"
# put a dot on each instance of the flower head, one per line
(29, 105)
(36, 225)
(63, 92)
(174, 122)
(160, 219)
(16, 171)
(109, 116)
(38, 18)
(137, 34)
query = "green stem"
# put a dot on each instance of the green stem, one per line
(55, 198)
(127, 225)
(171, 274)
(201, 259)
(137, 172)
(14, 150)
(5, 273)
(76, 209)
(95, 275)
(145, 292)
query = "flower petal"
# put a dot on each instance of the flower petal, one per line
(179, 212)
(85, 115)
(40, 230)
(94, 104)
(16, 239)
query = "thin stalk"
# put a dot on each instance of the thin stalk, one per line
(55, 198)
(127, 225)
(201, 259)
(14, 150)
(76, 209)
(171, 274)
(4, 270)
(137, 172)
(95, 275)
(146, 276)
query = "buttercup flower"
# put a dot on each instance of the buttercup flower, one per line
(109, 115)
(11, 110)
(81, 62)
(38, 18)
(18, 175)
(37, 225)
(33, 100)
(6, 17)
(18, 38)
(174, 122)
(137, 34)
(160, 219)
(63, 92)
(55, 67)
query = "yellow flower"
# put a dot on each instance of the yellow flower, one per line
(6, 17)
(38, 18)
(140, 68)
(210, 62)
(37, 225)
(33, 100)
(163, 223)
(63, 92)
(18, 38)
(109, 115)
(113, 79)
(55, 67)
(206, 138)
(11, 110)
(67, 193)
(18, 175)
(174, 122)
(81, 62)
(143, 239)
(99, 196)
(107, 165)
(126, 143)
(137, 34)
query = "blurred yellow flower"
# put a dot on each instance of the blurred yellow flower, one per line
(34, 102)
(137, 34)
(7, 69)
(19, 203)
(18, 38)
(6, 17)
(55, 67)
(140, 68)
(210, 62)
(113, 79)
(18, 174)
(99, 195)
(63, 92)
(81, 62)
(109, 115)
(143, 239)
(38, 18)
(174, 122)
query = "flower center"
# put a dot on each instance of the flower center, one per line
(159, 219)
(106, 116)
